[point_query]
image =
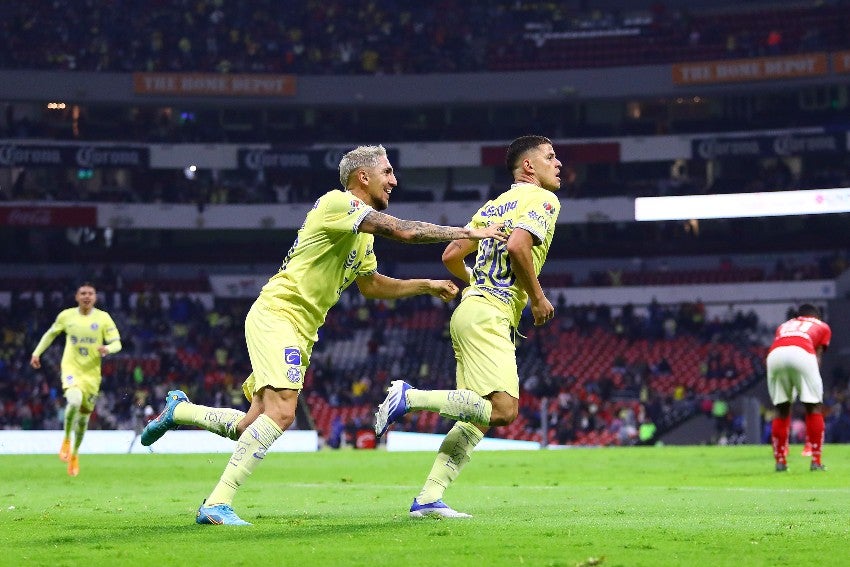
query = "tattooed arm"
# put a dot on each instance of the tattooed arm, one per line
(418, 232)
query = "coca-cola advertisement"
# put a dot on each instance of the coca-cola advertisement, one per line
(47, 216)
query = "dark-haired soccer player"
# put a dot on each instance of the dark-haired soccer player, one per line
(334, 248)
(90, 335)
(502, 280)
(793, 369)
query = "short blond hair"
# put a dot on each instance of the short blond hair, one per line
(361, 156)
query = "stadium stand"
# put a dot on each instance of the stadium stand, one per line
(590, 379)
(404, 37)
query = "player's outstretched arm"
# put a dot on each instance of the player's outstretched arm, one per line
(418, 232)
(379, 286)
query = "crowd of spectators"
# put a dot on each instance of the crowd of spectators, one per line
(195, 343)
(390, 36)
(173, 340)
(176, 342)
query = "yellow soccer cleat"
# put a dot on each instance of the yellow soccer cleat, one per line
(65, 451)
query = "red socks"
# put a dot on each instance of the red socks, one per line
(814, 431)
(779, 436)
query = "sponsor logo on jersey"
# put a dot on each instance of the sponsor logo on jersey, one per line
(498, 211)
(539, 220)
(292, 356)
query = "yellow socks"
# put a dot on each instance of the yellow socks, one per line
(221, 421)
(81, 424)
(454, 453)
(460, 405)
(74, 397)
(251, 447)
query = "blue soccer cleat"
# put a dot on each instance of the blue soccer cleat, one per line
(438, 509)
(157, 427)
(393, 407)
(219, 515)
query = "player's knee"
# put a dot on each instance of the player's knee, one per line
(74, 397)
(503, 416)
(283, 417)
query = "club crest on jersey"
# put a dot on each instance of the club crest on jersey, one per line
(292, 356)
(293, 375)
(355, 204)
(94, 326)
(549, 208)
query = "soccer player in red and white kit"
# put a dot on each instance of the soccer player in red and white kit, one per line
(793, 368)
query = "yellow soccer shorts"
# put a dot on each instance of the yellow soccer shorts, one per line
(88, 384)
(279, 354)
(483, 343)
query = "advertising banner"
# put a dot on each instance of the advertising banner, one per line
(766, 146)
(85, 156)
(754, 69)
(257, 159)
(841, 62)
(579, 152)
(213, 84)
(23, 215)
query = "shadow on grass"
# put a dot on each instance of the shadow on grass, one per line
(265, 527)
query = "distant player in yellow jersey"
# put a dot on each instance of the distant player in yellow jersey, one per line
(502, 281)
(333, 249)
(90, 334)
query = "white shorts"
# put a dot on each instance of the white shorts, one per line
(792, 371)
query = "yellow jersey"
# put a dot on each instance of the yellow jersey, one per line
(83, 335)
(525, 206)
(327, 256)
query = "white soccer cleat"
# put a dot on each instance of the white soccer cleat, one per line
(393, 407)
(438, 509)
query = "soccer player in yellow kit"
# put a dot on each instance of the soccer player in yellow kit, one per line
(90, 335)
(502, 281)
(333, 249)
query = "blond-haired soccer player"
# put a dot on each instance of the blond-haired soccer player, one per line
(501, 281)
(90, 334)
(333, 248)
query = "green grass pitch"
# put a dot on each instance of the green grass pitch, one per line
(614, 507)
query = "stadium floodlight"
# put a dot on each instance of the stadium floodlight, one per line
(739, 205)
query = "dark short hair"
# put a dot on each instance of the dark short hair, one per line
(521, 145)
(808, 310)
(87, 284)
